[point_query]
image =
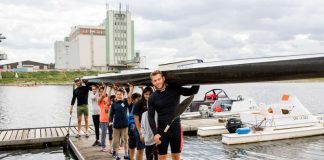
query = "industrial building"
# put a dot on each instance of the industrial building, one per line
(26, 66)
(108, 46)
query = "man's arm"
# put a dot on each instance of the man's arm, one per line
(151, 119)
(88, 84)
(189, 91)
(151, 114)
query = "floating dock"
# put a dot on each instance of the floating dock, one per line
(36, 137)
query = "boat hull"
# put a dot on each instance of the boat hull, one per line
(274, 135)
(231, 72)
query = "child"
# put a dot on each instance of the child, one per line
(139, 108)
(118, 118)
(148, 137)
(104, 103)
(132, 141)
(95, 112)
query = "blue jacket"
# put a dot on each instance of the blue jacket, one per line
(118, 114)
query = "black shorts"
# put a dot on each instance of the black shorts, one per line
(174, 137)
(110, 131)
(131, 137)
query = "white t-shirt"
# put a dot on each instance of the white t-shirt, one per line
(146, 129)
(94, 103)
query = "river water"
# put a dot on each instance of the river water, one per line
(43, 106)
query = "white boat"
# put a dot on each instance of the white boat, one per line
(287, 119)
(247, 105)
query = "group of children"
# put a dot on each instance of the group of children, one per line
(125, 119)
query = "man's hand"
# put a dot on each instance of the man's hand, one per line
(157, 139)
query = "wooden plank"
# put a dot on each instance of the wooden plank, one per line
(71, 130)
(48, 132)
(64, 131)
(91, 131)
(54, 133)
(7, 137)
(25, 134)
(19, 134)
(38, 133)
(2, 135)
(32, 134)
(13, 135)
(43, 133)
(83, 130)
(59, 132)
(92, 128)
(82, 149)
(74, 130)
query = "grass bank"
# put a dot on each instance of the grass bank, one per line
(50, 77)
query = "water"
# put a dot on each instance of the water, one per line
(48, 106)
(53, 153)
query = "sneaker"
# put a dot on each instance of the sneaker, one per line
(126, 157)
(78, 136)
(118, 158)
(87, 135)
(104, 150)
(95, 143)
(113, 152)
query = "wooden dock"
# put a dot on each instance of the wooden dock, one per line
(84, 150)
(81, 147)
(35, 137)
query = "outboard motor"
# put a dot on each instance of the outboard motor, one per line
(233, 124)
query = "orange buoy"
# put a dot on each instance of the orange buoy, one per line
(218, 109)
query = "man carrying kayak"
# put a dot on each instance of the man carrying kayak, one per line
(81, 95)
(164, 101)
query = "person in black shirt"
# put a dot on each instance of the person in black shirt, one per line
(164, 101)
(81, 95)
(132, 140)
(139, 108)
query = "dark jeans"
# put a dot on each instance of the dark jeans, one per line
(96, 122)
(151, 153)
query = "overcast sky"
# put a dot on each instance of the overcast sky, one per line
(171, 30)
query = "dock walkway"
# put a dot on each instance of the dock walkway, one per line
(82, 147)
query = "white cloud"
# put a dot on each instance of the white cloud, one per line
(172, 30)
